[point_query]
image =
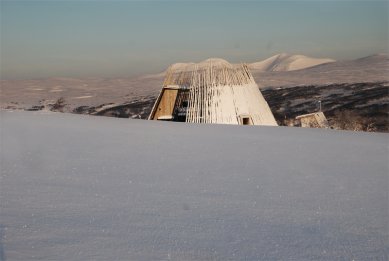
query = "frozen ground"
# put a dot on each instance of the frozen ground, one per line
(94, 188)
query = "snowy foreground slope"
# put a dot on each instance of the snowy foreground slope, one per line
(94, 188)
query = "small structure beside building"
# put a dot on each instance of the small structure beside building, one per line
(313, 120)
(213, 91)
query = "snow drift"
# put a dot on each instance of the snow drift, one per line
(94, 188)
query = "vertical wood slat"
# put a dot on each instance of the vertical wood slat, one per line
(219, 92)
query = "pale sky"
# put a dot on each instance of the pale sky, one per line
(42, 39)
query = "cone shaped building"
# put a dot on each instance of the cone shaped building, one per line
(213, 91)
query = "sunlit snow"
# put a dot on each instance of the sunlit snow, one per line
(92, 188)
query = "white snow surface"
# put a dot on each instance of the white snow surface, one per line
(278, 63)
(286, 62)
(92, 188)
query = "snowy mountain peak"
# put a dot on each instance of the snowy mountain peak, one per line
(287, 62)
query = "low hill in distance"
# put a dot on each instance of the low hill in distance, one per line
(373, 68)
(286, 62)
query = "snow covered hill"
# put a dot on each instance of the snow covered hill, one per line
(373, 68)
(95, 188)
(279, 62)
(287, 62)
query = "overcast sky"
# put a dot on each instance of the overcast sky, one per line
(123, 38)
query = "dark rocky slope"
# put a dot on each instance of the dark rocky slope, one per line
(356, 106)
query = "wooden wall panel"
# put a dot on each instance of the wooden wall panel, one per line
(165, 106)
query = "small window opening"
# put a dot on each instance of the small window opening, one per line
(246, 121)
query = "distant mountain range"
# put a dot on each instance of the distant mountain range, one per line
(295, 69)
(287, 62)
(374, 68)
(278, 63)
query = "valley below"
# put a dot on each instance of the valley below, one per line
(354, 95)
(347, 106)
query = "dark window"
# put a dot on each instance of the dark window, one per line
(246, 121)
